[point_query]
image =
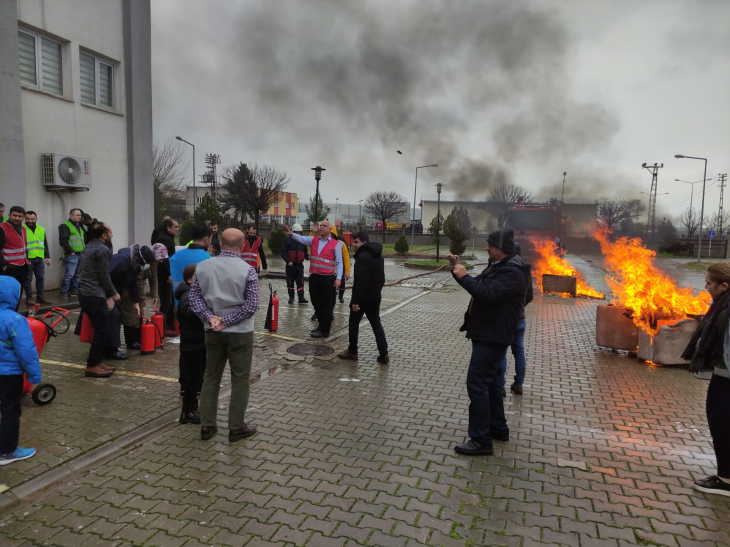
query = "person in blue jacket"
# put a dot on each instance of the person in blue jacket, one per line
(18, 354)
(195, 253)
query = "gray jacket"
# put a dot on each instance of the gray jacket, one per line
(93, 266)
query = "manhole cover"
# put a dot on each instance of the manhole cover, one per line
(310, 349)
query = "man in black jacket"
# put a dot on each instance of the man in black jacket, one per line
(294, 255)
(170, 229)
(367, 287)
(497, 303)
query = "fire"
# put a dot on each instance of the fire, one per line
(637, 284)
(549, 263)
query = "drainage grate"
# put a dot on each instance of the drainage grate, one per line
(309, 349)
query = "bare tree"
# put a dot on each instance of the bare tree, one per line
(252, 189)
(503, 197)
(690, 221)
(613, 211)
(170, 169)
(385, 205)
(721, 225)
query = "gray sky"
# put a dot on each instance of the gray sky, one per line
(493, 92)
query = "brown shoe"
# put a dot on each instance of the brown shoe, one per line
(206, 433)
(108, 367)
(242, 433)
(383, 359)
(99, 371)
(347, 355)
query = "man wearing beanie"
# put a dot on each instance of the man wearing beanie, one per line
(497, 303)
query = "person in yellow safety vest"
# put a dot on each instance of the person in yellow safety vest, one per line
(39, 257)
(2, 213)
(71, 239)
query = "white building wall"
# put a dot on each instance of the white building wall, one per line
(65, 125)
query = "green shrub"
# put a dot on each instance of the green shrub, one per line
(186, 232)
(401, 245)
(276, 241)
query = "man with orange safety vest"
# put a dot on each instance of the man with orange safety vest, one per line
(13, 247)
(325, 271)
(252, 251)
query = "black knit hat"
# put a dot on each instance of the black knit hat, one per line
(504, 239)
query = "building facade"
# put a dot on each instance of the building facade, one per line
(75, 82)
(284, 210)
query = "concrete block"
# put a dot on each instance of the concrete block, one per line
(615, 329)
(667, 346)
(560, 283)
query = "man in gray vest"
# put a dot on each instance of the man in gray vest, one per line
(225, 295)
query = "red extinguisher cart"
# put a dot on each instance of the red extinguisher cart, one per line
(44, 394)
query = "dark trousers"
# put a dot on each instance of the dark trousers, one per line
(718, 417)
(11, 390)
(37, 268)
(192, 369)
(132, 335)
(95, 308)
(486, 409)
(295, 274)
(372, 311)
(19, 273)
(167, 304)
(320, 293)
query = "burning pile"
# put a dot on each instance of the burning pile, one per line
(638, 285)
(547, 262)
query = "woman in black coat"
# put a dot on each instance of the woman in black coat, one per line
(192, 349)
(709, 355)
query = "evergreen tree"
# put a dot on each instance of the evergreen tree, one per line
(457, 228)
(208, 210)
(322, 210)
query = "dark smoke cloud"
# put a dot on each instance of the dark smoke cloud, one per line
(424, 76)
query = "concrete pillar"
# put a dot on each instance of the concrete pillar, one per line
(12, 156)
(138, 92)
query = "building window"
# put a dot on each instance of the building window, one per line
(40, 62)
(97, 81)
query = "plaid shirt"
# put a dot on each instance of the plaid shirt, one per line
(250, 295)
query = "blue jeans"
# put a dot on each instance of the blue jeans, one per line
(486, 409)
(518, 350)
(70, 273)
(39, 268)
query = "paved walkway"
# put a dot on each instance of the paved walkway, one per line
(603, 449)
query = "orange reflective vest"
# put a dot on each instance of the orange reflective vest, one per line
(250, 254)
(322, 257)
(15, 249)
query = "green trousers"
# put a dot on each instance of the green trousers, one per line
(237, 349)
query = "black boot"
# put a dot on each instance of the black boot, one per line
(184, 414)
(193, 413)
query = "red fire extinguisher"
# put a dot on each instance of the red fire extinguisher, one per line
(159, 321)
(43, 394)
(87, 330)
(272, 315)
(147, 336)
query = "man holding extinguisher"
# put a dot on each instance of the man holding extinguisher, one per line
(294, 255)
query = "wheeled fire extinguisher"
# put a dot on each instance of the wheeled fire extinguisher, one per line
(159, 320)
(44, 394)
(272, 315)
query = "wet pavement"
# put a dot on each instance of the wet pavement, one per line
(603, 448)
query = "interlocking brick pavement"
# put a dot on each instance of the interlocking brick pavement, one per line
(370, 461)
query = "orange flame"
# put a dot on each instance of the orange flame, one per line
(549, 263)
(637, 284)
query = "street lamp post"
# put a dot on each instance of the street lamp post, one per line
(317, 176)
(359, 218)
(691, 195)
(438, 219)
(337, 208)
(415, 190)
(702, 210)
(195, 192)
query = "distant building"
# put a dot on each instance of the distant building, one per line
(76, 115)
(283, 211)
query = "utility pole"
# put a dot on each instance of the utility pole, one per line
(211, 177)
(654, 170)
(722, 176)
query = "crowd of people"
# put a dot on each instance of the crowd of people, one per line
(209, 293)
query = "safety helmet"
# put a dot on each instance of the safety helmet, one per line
(296, 228)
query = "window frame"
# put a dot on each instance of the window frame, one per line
(38, 51)
(97, 81)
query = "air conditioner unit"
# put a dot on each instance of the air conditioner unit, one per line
(64, 172)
